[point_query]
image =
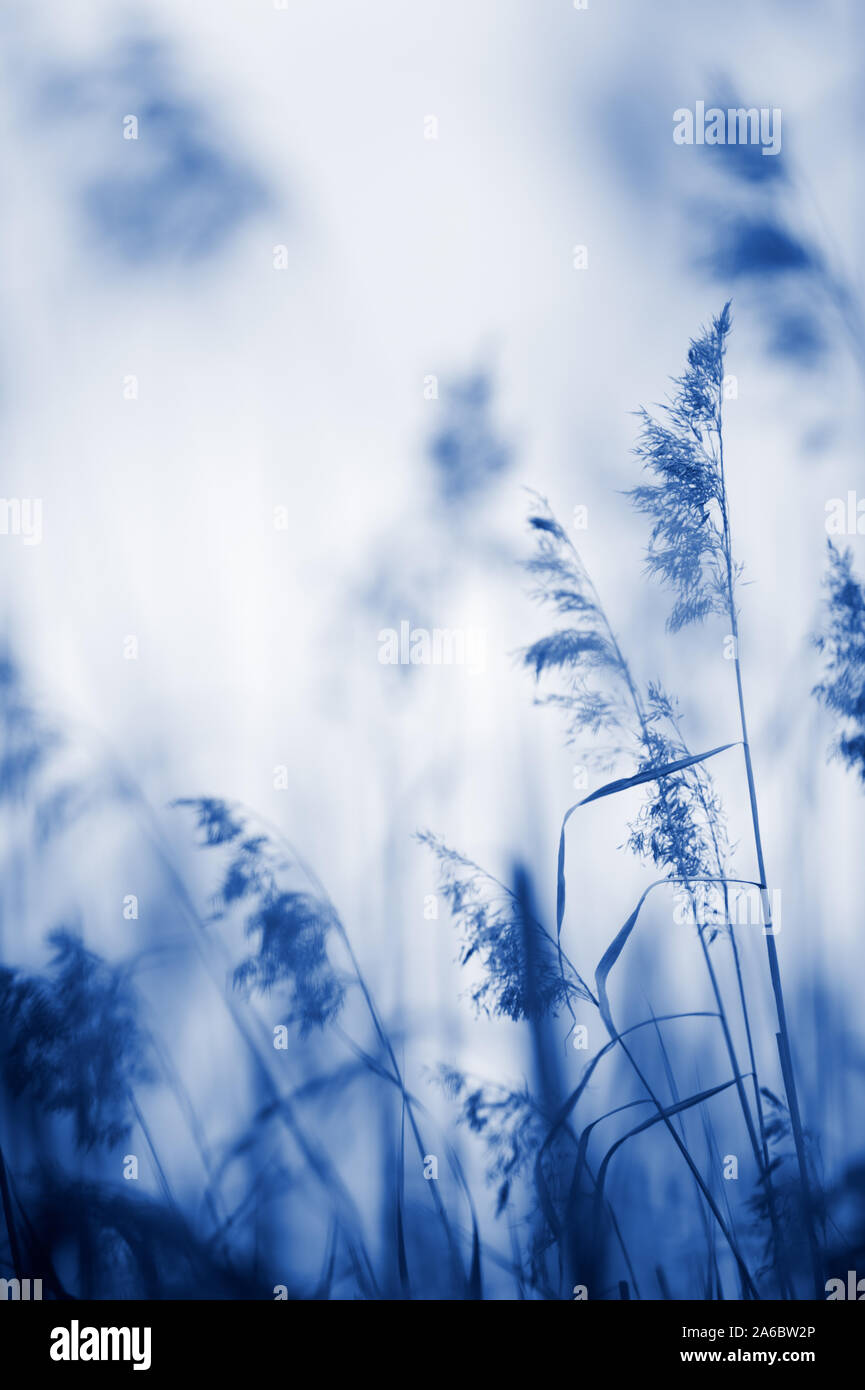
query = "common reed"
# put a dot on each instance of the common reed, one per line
(85, 1070)
(680, 828)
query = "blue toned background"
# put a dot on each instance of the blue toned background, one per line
(279, 360)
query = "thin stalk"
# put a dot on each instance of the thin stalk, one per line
(746, 1016)
(161, 1175)
(316, 1157)
(641, 717)
(674, 1092)
(211, 1195)
(731, 1050)
(761, 1156)
(784, 1277)
(614, 1222)
(574, 1190)
(740, 982)
(715, 1156)
(762, 1159)
(383, 1038)
(695, 1172)
(768, 930)
(782, 1271)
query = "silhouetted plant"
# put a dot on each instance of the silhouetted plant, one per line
(134, 1246)
(509, 1123)
(293, 928)
(292, 925)
(71, 1040)
(691, 550)
(681, 827)
(494, 926)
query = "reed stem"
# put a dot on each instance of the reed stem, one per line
(788, 1075)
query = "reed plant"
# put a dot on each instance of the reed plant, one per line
(81, 1061)
(680, 828)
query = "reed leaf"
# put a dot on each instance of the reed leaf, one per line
(610, 789)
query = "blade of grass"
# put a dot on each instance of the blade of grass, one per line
(610, 789)
(665, 1115)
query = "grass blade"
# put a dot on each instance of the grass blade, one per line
(665, 1114)
(610, 789)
